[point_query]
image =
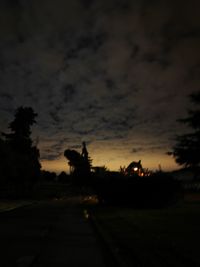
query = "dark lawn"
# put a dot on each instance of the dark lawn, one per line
(159, 237)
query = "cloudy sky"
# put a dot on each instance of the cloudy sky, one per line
(113, 73)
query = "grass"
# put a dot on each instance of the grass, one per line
(6, 205)
(159, 237)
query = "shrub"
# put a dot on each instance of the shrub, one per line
(157, 190)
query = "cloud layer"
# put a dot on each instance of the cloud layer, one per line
(115, 75)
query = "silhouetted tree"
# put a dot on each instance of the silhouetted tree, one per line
(187, 148)
(79, 164)
(87, 160)
(23, 156)
(74, 160)
(20, 138)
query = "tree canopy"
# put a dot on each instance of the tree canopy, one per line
(80, 164)
(19, 152)
(186, 151)
(20, 136)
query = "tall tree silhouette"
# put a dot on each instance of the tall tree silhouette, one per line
(25, 156)
(187, 148)
(87, 160)
(20, 138)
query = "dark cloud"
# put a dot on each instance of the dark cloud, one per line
(149, 146)
(110, 84)
(86, 41)
(137, 149)
(14, 3)
(91, 109)
(156, 59)
(55, 117)
(120, 6)
(120, 97)
(97, 40)
(174, 34)
(83, 132)
(135, 50)
(116, 6)
(49, 155)
(114, 72)
(68, 92)
(87, 3)
(76, 147)
(54, 150)
(193, 73)
(6, 96)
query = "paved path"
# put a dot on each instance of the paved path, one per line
(71, 243)
(49, 234)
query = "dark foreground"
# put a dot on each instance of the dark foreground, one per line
(154, 237)
(58, 233)
(53, 233)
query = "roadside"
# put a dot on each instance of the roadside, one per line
(7, 205)
(162, 237)
(50, 233)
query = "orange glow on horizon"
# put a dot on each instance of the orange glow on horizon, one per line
(151, 162)
(57, 165)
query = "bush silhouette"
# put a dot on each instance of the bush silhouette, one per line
(158, 190)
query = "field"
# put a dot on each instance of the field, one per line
(156, 237)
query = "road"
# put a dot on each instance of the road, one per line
(48, 233)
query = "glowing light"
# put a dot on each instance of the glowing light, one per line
(135, 169)
(86, 214)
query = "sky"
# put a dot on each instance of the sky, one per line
(115, 74)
